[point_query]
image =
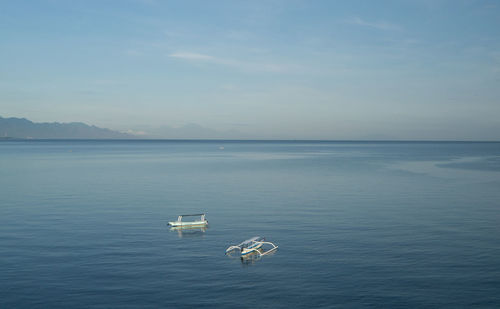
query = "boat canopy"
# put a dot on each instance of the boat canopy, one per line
(250, 241)
(179, 219)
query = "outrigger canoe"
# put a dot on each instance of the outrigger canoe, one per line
(252, 246)
(202, 222)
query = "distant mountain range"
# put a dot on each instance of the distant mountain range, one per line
(21, 128)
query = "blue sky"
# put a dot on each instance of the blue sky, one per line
(257, 69)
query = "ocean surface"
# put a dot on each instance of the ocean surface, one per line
(83, 224)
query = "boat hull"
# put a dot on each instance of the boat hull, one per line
(248, 251)
(188, 224)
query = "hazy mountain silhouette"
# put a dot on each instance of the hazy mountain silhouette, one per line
(24, 128)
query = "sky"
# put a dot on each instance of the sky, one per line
(337, 70)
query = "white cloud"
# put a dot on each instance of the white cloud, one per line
(108, 82)
(133, 52)
(380, 25)
(191, 56)
(241, 65)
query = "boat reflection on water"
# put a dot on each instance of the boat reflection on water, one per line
(189, 231)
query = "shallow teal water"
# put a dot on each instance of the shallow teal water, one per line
(83, 224)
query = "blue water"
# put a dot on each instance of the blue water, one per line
(83, 224)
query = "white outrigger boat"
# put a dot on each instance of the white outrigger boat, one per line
(252, 246)
(202, 222)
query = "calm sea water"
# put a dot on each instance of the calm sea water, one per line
(83, 224)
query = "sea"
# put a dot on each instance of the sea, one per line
(83, 224)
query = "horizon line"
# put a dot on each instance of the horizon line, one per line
(251, 140)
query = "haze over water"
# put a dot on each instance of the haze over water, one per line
(358, 224)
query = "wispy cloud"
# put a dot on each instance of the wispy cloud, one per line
(147, 2)
(192, 56)
(380, 25)
(237, 64)
(108, 82)
(133, 52)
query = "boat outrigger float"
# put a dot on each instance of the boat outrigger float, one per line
(202, 222)
(252, 246)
